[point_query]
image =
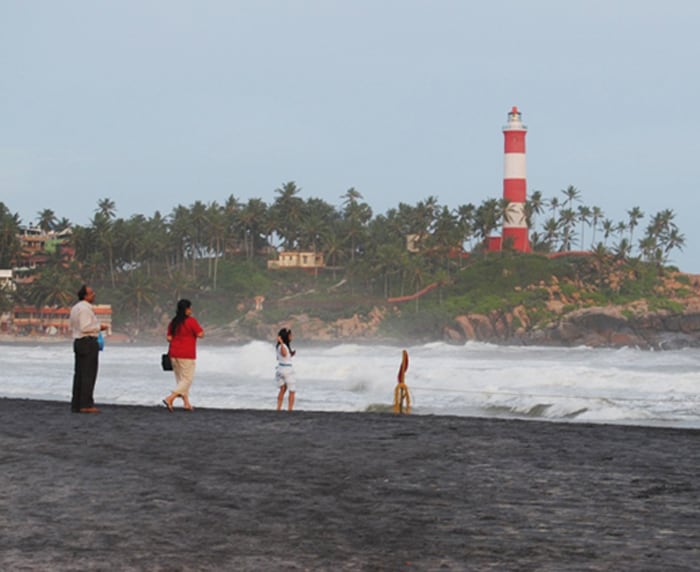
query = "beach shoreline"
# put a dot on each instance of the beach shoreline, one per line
(213, 339)
(139, 488)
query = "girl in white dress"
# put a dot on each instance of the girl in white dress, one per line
(284, 373)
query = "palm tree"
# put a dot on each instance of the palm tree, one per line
(351, 196)
(446, 235)
(572, 194)
(538, 242)
(105, 239)
(534, 206)
(584, 214)
(232, 208)
(620, 228)
(9, 236)
(596, 216)
(107, 208)
(425, 214)
(181, 242)
(554, 206)
(155, 242)
(62, 224)
(319, 216)
(608, 229)
(416, 275)
(139, 290)
(465, 220)
(623, 249)
(333, 248)
(217, 236)
(287, 212)
(199, 223)
(53, 285)
(663, 233)
(674, 240)
(131, 235)
(601, 259)
(356, 214)
(46, 220)
(253, 221)
(389, 261)
(635, 215)
(551, 233)
(486, 218)
(649, 248)
(566, 221)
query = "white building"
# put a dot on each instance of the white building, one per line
(297, 259)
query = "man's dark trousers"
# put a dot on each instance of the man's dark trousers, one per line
(86, 353)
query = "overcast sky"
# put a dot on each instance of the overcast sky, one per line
(160, 103)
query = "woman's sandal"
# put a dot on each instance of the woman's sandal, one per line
(170, 407)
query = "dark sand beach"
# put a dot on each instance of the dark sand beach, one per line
(138, 488)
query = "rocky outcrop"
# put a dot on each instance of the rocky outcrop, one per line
(356, 327)
(609, 326)
(633, 325)
(594, 327)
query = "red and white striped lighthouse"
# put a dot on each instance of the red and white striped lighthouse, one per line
(514, 183)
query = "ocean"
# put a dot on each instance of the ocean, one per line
(573, 385)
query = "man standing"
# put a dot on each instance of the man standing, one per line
(86, 328)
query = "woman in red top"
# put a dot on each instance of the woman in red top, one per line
(183, 332)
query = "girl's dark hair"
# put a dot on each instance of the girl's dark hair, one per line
(284, 335)
(180, 315)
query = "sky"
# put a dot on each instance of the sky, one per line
(155, 103)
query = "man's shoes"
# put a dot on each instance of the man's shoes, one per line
(89, 410)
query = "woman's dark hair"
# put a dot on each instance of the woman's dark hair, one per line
(180, 315)
(284, 334)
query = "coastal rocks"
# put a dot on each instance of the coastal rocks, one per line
(356, 327)
(636, 324)
(593, 327)
(497, 326)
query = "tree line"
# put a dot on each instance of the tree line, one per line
(185, 248)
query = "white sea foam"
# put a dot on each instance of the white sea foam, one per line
(562, 384)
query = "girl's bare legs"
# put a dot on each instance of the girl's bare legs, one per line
(292, 394)
(280, 397)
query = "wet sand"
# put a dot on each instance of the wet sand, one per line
(138, 488)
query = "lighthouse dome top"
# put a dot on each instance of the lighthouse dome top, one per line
(515, 120)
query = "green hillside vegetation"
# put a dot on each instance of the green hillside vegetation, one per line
(216, 255)
(500, 283)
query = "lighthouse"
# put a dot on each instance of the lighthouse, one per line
(514, 183)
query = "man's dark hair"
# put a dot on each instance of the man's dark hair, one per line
(82, 292)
